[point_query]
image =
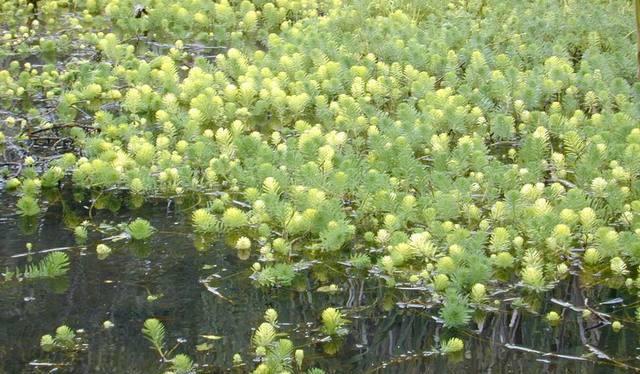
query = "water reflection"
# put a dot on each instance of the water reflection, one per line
(198, 288)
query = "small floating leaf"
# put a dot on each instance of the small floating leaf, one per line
(204, 347)
(212, 337)
(330, 288)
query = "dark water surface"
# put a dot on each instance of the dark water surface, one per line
(384, 335)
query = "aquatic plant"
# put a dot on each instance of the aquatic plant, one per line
(265, 334)
(533, 278)
(616, 326)
(618, 267)
(271, 316)
(360, 261)
(463, 161)
(315, 371)
(204, 222)
(553, 318)
(65, 339)
(153, 330)
(140, 229)
(277, 275)
(54, 264)
(28, 206)
(237, 359)
(81, 233)
(333, 322)
(103, 251)
(12, 184)
(591, 256)
(182, 364)
(455, 311)
(47, 342)
(52, 176)
(243, 243)
(277, 354)
(452, 345)
(279, 357)
(234, 218)
(299, 357)
(478, 292)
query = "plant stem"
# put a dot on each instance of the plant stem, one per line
(159, 349)
(636, 4)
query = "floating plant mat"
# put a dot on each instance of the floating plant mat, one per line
(314, 186)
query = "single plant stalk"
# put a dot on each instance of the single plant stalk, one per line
(636, 4)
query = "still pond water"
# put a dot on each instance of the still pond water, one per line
(387, 333)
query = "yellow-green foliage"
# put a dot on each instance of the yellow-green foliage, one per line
(453, 145)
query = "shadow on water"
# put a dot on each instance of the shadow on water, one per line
(385, 335)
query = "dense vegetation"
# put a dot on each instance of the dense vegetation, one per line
(485, 152)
